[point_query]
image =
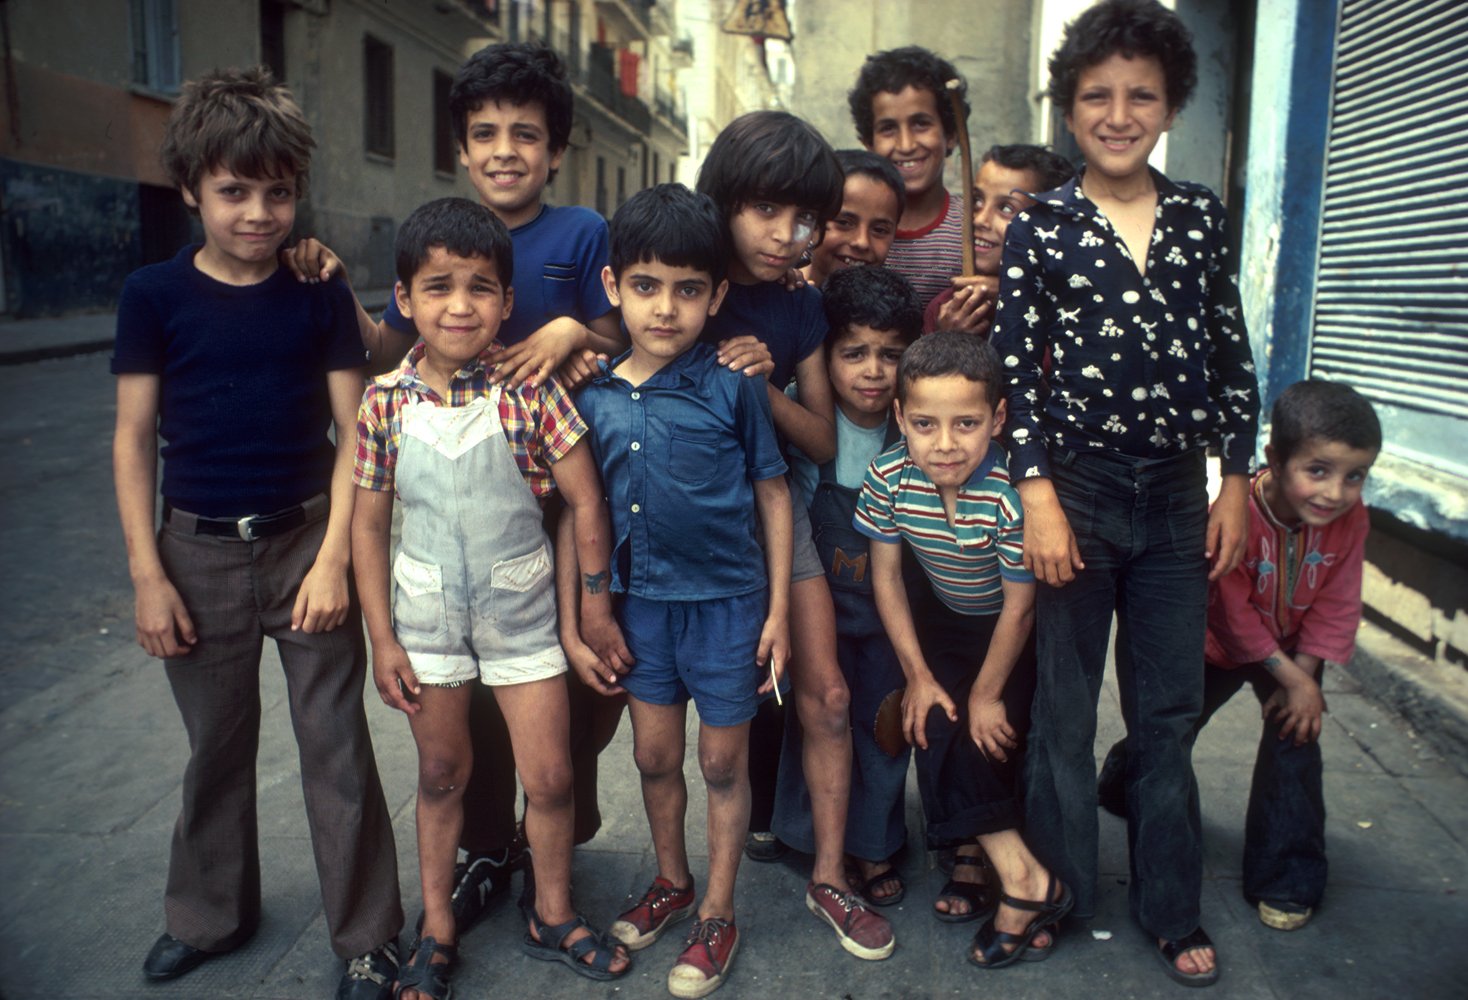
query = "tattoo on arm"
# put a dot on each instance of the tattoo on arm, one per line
(1271, 663)
(596, 581)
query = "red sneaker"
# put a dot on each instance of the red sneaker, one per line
(660, 906)
(865, 934)
(701, 968)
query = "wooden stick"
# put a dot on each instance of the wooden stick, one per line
(961, 118)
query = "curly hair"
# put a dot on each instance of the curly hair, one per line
(873, 297)
(892, 71)
(240, 119)
(518, 72)
(1133, 28)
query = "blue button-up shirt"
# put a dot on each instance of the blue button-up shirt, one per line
(1149, 366)
(678, 455)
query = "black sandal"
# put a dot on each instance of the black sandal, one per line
(990, 941)
(863, 886)
(430, 979)
(549, 947)
(1167, 953)
(981, 897)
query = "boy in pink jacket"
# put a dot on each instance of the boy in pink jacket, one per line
(1292, 604)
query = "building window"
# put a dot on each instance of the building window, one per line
(378, 127)
(443, 131)
(155, 44)
(601, 184)
(272, 38)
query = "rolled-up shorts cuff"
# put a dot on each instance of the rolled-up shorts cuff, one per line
(452, 670)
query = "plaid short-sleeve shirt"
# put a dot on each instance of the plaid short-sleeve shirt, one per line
(541, 425)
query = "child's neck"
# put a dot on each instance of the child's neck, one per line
(518, 217)
(230, 270)
(1274, 500)
(923, 209)
(1130, 203)
(639, 366)
(864, 419)
(438, 371)
(1137, 187)
(949, 496)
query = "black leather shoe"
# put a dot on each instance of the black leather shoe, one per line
(370, 976)
(171, 958)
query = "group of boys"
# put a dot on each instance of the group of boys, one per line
(767, 471)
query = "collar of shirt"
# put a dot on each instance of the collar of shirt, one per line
(1267, 511)
(691, 365)
(406, 376)
(1071, 200)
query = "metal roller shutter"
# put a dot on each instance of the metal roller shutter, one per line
(1391, 299)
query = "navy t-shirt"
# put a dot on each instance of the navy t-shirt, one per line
(243, 405)
(559, 255)
(790, 324)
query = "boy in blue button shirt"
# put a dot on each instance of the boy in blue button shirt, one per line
(687, 451)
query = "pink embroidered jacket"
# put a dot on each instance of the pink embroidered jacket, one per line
(1299, 591)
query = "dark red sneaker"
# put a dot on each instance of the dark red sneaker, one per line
(701, 968)
(862, 932)
(660, 906)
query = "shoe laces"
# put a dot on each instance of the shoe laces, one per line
(363, 967)
(709, 932)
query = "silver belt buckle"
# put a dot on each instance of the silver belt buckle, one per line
(246, 528)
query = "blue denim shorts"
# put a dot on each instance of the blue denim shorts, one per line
(702, 650)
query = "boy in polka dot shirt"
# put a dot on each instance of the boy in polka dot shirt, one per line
(1124, 276)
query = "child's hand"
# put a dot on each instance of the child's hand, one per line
(1298, 710)
(323, 600)
(601, 633)
(971, 309)
(535, 358)
(394, 677)
(793, 279)
(1228, 526)
(988, 724)
(1051, 552)
(589, 667)
(774, 651)
(920, 698)
(747, 353)
(580, 368)
(163, 623)
(311, 262)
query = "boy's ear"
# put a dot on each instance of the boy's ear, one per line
(1001, 412)
(897, 411)
(405, 303)
(1270, 458)
(509, 302)
(609, 282)
(718, 296)
(188, 196)
(555, 158)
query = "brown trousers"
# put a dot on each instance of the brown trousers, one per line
(237, 593)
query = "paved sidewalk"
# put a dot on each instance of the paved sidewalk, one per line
(92, 750)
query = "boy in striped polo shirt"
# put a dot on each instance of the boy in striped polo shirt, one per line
(965, 644)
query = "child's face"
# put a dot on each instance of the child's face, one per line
(664, 306)
(995, 207)
(1319, 483)
(907, 130)
(457, 305)
(1119, 113)
(508, 157)
(245, 219)
(863, 368)
(862, 233)
(949, 424)
(768, 239)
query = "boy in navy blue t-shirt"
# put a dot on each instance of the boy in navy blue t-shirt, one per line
(242, 370)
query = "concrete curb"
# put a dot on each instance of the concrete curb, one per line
(1432, 697)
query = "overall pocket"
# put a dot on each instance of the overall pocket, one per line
(521, 594)
(418, 607)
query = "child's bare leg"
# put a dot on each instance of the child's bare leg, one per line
(538, 716)
(723, 756)
(445, 759)
(1022, 877)
(824, 705)
(659, 744)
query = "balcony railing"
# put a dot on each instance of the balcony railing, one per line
(603, 85)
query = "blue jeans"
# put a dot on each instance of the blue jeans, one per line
(1141, 527)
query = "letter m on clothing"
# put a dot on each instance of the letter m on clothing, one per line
(858, 566)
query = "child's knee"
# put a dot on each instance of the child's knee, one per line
(722, 769)
(442, 777)
(657, 761)
(827, 708)
(548, 785)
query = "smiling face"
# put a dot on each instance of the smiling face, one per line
(949, 424)
(863, 232)
(245, 219)
(508, 155)
(907, 130)
(1119, 113)
(995, 206)
(1319, 483)
(457, 305)
(768, 239)
(863, 369)
(664, 306)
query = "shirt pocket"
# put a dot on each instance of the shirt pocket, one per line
(521, 597)
(693, 454)
(418, 606)
(558, 288)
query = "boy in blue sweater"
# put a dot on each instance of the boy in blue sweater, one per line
(242, 370)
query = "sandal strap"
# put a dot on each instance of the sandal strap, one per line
(423, 974)
(597, 946)
(1194, 941)
(552, 936)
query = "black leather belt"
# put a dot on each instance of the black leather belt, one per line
(247, 528)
